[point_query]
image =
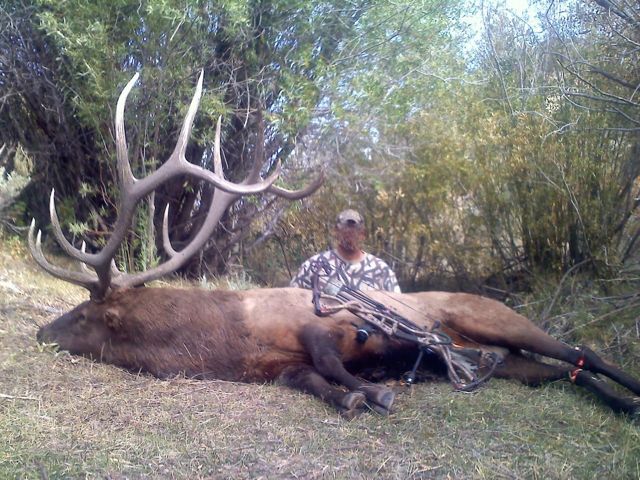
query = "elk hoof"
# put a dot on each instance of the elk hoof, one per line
(633, 409)
(353, 401)
(374, 407)
(387, 399)
(351, 414)
(381, 396)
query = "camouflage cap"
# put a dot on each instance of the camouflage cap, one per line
(349, 218)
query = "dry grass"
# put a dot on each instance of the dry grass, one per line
(66, 417)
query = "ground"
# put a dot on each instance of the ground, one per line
(67, 417)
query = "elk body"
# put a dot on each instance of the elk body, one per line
(273, 334)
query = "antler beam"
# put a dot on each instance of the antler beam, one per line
(106, 276)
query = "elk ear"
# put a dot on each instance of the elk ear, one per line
(112, 319)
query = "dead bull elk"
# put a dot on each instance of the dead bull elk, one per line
(273, 334)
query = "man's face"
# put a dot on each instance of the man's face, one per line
(350, 238)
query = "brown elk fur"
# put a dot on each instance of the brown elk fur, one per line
(273, 334)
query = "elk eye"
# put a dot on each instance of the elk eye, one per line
(82, 320)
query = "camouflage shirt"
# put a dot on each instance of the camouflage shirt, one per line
(369, 274)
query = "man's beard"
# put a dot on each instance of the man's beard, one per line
(350, 242)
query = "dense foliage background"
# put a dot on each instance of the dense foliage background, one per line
(485, 147)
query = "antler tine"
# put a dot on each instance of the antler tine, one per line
(217, 160)
(257, 166)
(122, 152)
(87, 280)
(83, 266)
(216, 177)
(298, 194)
(99, 282)
(166, 242)
(187, 125)
(177, 164)
(72, 251)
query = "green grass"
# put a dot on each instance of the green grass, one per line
(67, 417)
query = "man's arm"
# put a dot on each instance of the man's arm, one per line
(392, 282)
(386, 278)
(299, 279)
(303, 278)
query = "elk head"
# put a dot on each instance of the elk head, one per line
(87, 326)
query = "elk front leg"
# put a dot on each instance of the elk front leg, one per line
(306, 378)
(322, 345)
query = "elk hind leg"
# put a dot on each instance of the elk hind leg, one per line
(534, 373)
(589, 360)
(526, 336)
(583, 358)
(590, 381)
(529, 371)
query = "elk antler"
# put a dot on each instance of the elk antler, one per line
(106, 276)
